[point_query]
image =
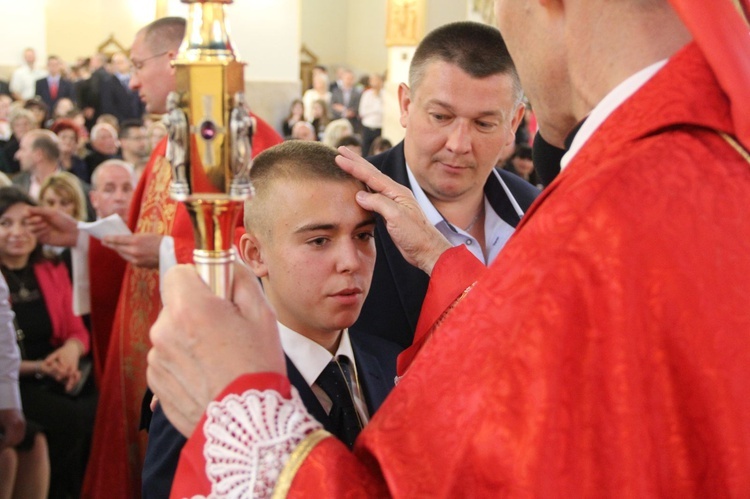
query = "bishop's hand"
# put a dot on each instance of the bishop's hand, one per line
(201, 343)
(420, 243)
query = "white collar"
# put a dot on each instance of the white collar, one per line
(607, 106)
(310, 358)
(433, 215)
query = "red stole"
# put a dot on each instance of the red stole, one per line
(106, 270)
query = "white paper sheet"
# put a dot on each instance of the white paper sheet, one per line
(113, 225)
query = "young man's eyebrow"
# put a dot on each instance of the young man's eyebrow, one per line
(315, 226)
(323, 226)
(365, 223)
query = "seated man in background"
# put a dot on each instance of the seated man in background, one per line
(312, 247)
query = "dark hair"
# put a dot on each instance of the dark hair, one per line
(11, 196)
(36, 103)
(349, 140)
(522, 151)
(127, 125)
(379, 144)
(45, 141)
(478, 49)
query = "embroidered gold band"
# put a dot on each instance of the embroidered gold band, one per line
(740, 10)
(735, 145)
(295, 462)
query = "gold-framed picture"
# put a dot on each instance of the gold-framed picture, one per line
(405, 21)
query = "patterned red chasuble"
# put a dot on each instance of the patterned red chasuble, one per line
(119, 447)
(604, 353)
(106, 272)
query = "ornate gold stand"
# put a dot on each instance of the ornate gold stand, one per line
(210, 137)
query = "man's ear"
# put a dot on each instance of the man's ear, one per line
(94, 198)
(171, 56)
(252, 254)
(404, 99)
(516, 121)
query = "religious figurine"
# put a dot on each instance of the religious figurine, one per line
(241, 129)
(177, 127)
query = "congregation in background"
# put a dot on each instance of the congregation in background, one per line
(74, 139)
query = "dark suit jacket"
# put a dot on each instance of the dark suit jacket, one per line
(64, 89)
(119, 101)
(392, 307)
(376, 368)
(337, 97)
(89, 93)
(4, 88)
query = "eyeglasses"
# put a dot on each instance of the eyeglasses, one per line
(138, 65)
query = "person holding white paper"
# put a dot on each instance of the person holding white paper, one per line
(111, 192)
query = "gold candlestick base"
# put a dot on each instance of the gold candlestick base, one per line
(214, 218)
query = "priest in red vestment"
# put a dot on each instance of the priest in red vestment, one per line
(118, 447)
(606, 352)
(111, 192)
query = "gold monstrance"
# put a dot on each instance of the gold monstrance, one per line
(210, 137)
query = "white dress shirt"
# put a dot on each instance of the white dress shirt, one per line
(496, 230)
(607, 106)
(310, 359)
(23, 81)
(371, 109)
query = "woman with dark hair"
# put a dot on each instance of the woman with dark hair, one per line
(521, 164)
(320, 117)
(296, 111)
(68, 134)
(52, 341)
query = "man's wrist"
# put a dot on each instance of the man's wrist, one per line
(38, 373)
(436, 251)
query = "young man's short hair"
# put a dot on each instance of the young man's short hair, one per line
(291, 160)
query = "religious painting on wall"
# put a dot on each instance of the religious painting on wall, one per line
(405, 22)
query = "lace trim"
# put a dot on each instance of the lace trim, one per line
(249, 439)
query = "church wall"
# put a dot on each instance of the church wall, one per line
(323, 27)
(22, 26)
(366, 50)
(75, 28)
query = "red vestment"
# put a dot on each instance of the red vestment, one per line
(106, 271)
(118, 446)
(605, 352)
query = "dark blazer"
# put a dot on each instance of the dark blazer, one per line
(337, 97)
(116, 99)
(64, 89)
(394, 302)
(4, 88)
(376, 369)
